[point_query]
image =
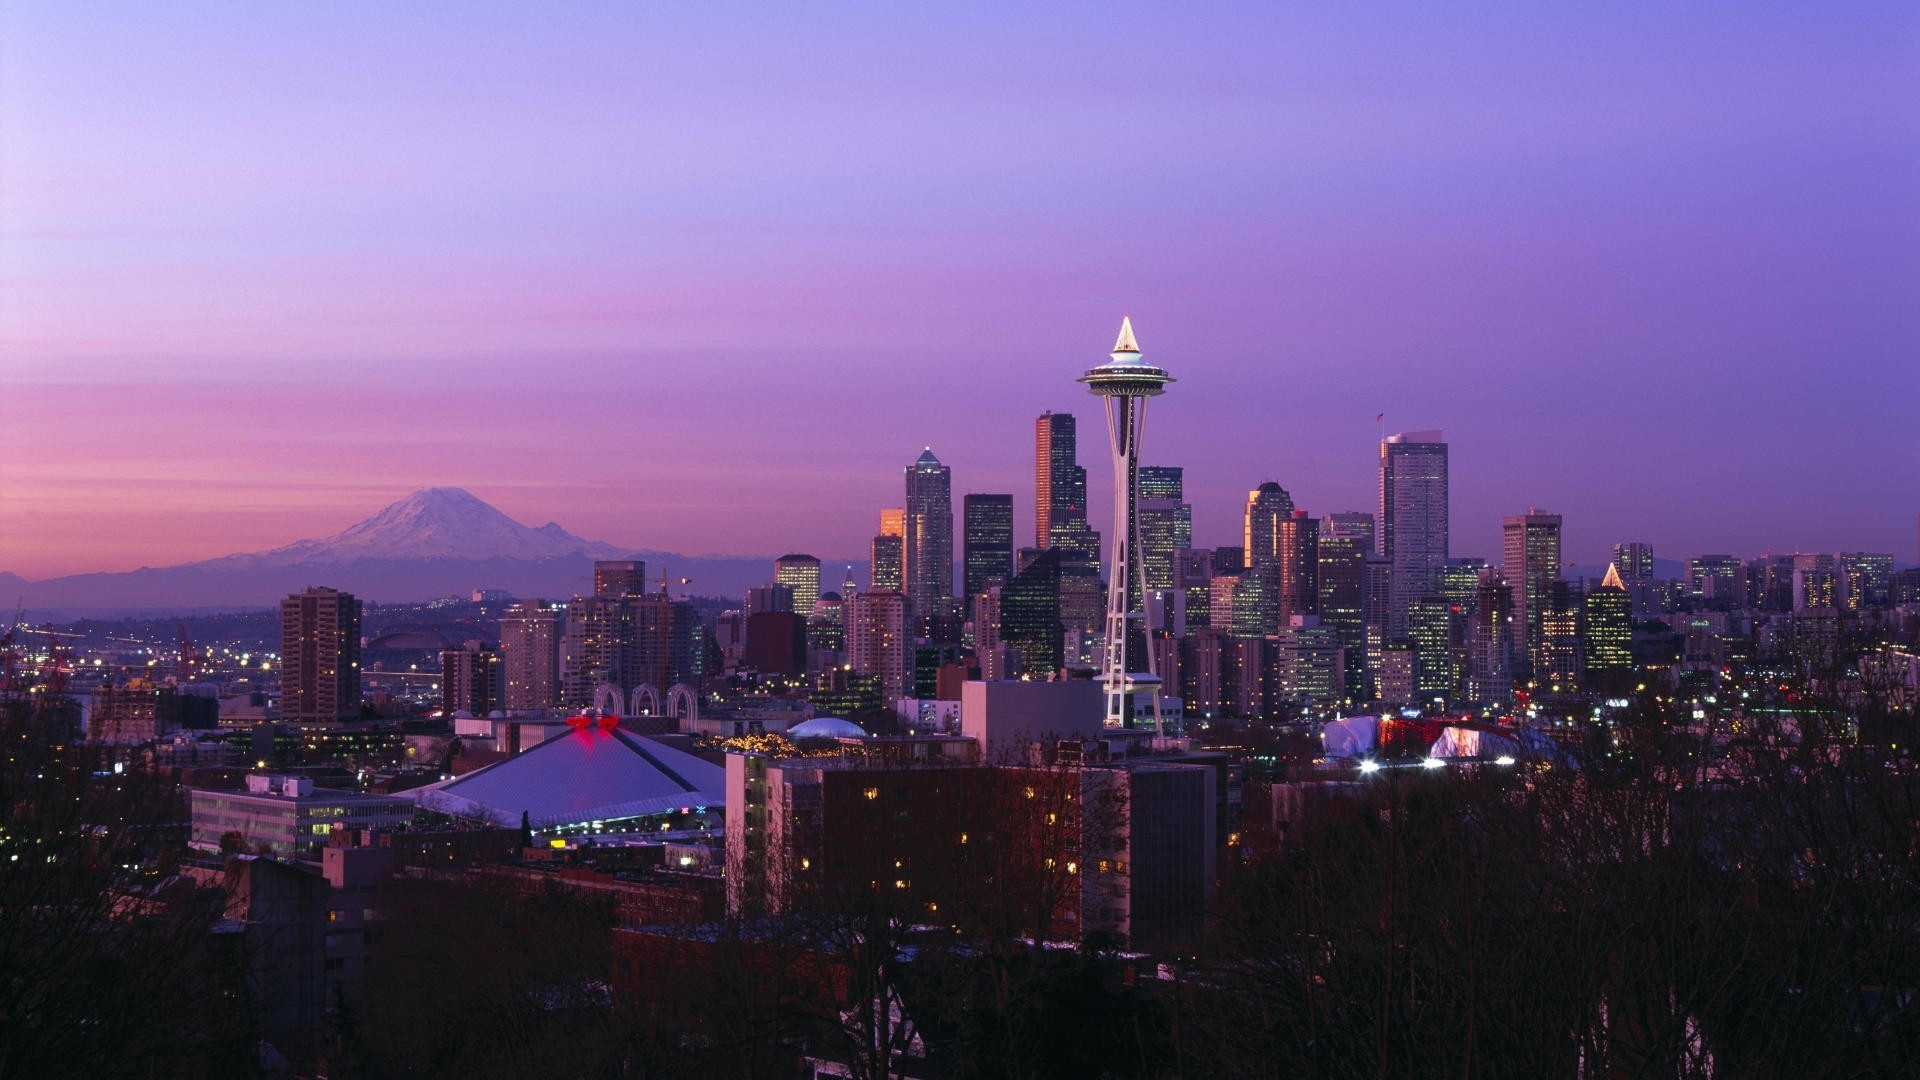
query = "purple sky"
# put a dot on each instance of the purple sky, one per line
(708, 280)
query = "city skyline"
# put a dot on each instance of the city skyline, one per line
(1658, 281)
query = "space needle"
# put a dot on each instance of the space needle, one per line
(1126, 382)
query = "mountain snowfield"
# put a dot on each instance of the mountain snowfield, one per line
(432, 523)
(434, 543)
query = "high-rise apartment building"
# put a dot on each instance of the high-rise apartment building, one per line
(596, 649)
(617, 578)
(877, 642)
(1530, 561)
(530, 656)
(668, 643)
(470, 680)
(1866, 579)
(320, 656)
(1816, 582)
(1413, 518)
(801, 573)
(927, 541)
(986, 543)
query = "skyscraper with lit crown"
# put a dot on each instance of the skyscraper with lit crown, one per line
(1125, 383)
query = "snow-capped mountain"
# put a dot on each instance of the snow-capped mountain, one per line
(434, 543)
(432, 523)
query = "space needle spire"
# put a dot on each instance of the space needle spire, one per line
(1126, 382)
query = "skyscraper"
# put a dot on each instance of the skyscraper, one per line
(927, 542)
(1490, 642)
(530, 656)
(1413, 519)
(1430, 629)
(1299, 567)
(889, 552)
(1557, 663)
(1531, 563)
(1350, 524)
(1060, 485)
(1267, 506)
(801, 573)
(1634, 561)
(1341, 587)
(1030, 623)
(986, 538)
(1607, 636)
(893, 521)
(1166, 523)
(320, 656)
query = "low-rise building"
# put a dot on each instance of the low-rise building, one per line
(286, 816)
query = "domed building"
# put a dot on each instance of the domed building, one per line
(827, 727)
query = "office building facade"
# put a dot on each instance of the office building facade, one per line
(1413, 519)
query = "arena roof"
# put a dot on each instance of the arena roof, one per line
(587, 775)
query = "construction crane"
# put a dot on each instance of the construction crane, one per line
(11, 682)
(188, 657)
(665, 581)
(56, 667)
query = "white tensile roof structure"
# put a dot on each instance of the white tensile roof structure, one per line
(587, 775)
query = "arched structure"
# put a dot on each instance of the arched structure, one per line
(646, 695)
(682, 696)
(606, 699)
(411, 641)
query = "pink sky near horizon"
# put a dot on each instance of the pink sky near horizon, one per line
(707, 281)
